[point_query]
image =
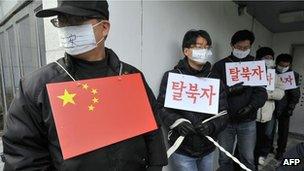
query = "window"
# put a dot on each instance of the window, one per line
(13, 56)
(29, 61)
(6, 66)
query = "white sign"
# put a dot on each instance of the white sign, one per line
(271, 79)
(288, 80)
(252, 73)
(191, 93)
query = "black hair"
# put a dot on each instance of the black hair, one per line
(191, 36)
(242, 35)
(263, 51)
(284, 57)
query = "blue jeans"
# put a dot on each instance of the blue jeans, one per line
(181, 162)
(245, 135)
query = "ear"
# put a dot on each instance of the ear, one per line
(187, 52)
(231, 45)
(105, 28)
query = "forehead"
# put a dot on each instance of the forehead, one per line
(243, 43)
(201, 40)
(284, 64)
(268, 57)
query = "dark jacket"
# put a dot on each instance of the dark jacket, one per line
(256, 96)
(193, 145)
(30, 139)
(290, 100)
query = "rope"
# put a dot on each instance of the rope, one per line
(180, 139)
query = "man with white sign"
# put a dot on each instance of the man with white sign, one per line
(288, 79)
(284, 108)
(243, 101)
(186, 98)
(251, 73)
(265, 120)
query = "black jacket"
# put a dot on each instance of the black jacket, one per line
(256, 96)
(193, 145)
(290, 100)
(30, 139)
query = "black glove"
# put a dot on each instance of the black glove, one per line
(154, 168)
(236, 89)
(204, 129)
(244, 112)
(185, 128)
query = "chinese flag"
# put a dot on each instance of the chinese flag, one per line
(94, 113)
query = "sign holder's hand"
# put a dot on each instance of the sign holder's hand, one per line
(185, 128)
(180, 139)
(236, 89)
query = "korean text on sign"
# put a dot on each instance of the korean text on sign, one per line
(271, 79)
(288, 80)
(252, 73)
(191, 93)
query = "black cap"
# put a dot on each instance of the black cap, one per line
(89, 8)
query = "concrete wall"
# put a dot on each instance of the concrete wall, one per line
(163, 31)
(282, 41)
(148, 34)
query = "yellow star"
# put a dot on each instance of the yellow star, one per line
(67, 97)
(91, 108)
(85, 86)
(94, 91)
(95, 100)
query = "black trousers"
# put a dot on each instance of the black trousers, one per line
(283, 129)
(264, 142)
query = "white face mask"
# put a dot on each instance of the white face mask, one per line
(282, 69)
(240, 54)
(78, 39)
(201, 55)
(269, 63)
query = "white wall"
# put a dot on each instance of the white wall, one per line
(148, 34)
(6, 6)
(165, 24)
(282, 41)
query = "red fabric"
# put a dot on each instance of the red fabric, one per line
(123, 111)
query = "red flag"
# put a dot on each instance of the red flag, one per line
(94, 113)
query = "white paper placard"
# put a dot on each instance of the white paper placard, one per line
(288, 79)
(252, 73)
(271, 79)
(191, 93)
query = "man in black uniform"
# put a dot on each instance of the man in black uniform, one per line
(30, 139)
(243, 103)
(196, 152)
(284, 108)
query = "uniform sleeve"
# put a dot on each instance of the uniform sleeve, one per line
(155, 139)
(24, 146)
(294, 94)
(167, 116)
(220, 123)
(259, 97)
